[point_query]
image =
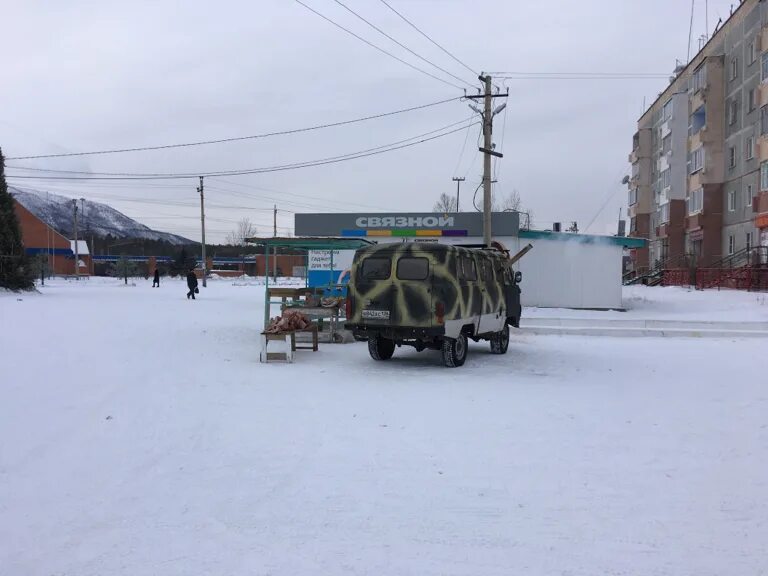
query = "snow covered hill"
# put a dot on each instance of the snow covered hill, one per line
(99, 219)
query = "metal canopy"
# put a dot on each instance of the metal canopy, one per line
(307, 244)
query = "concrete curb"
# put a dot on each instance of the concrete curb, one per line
(644, 324)
(618, 331)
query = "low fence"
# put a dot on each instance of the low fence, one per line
(744, 278)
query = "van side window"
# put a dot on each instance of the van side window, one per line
(468, 269)
(409, 268)
(375, 268)
(486, 269)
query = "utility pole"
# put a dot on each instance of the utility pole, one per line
(202, 224)
(487, 144)
(77, 255)
(274, 250)
(458, 181)
(488, 147)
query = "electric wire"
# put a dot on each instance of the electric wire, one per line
(307, 164)
(382, 50)
(463, 148)
(380, 31)
(238, 138)
(412, 25)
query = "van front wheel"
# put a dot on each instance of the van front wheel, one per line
(500, 341)
(381, 348)
(455, 351)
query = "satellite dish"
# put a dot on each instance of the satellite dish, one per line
(625, 180)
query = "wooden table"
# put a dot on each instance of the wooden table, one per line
(286, 337)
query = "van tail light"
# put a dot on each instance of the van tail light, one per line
(348, 306)
(439, 312)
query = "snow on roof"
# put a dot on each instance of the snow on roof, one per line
(82, 247)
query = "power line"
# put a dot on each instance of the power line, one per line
(463, 148)
(372, 45)
(379, 30)
(320, 162)
(235, 139)
(427, 37)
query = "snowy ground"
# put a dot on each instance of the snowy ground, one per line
(139, 435)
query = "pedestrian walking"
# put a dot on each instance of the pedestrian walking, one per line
(156, 281)
(192, 284)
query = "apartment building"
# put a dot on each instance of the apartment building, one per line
(699, 184)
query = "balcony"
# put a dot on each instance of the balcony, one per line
(699, 99)
(760, 203)
(694, 221)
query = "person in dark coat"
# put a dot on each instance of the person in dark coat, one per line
(156, 281)
(191, 284)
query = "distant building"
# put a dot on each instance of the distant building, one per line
(39, 238)
(699, 185)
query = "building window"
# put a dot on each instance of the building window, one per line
(697, 121)
(666, 144)
(667, 111)
(665, 178)
(763, 176)
(752, 99)
(731, 244)
(732, 112)
(633, 224)
(664, 213)
(696, 201)
(750, 147)
(696, 160)
(734, 68)
(748, 192)
(632, 196)
(764, 67)
(732, 201)
(764, 119)
(699, 79)
(732, 157)
(752, 53)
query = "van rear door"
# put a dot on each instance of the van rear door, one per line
(374, 286)
(413, 278)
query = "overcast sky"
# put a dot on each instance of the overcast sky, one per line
(79, 76)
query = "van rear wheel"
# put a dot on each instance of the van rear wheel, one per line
(500, 341)
(455, 351)
(381, 348)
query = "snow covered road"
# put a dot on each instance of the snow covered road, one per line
(139, 435)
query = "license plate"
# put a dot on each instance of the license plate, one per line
(376, 314)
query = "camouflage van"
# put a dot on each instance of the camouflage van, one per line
(432, 296)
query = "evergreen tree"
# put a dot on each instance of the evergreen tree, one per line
(182, 264)
(15, 272)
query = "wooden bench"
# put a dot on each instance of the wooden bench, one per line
(288, 350)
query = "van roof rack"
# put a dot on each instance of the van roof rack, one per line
(481, 247)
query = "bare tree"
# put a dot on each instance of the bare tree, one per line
(511, 202)
(245, 229)
(446, 203)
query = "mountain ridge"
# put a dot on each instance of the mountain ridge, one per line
(94, 218)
